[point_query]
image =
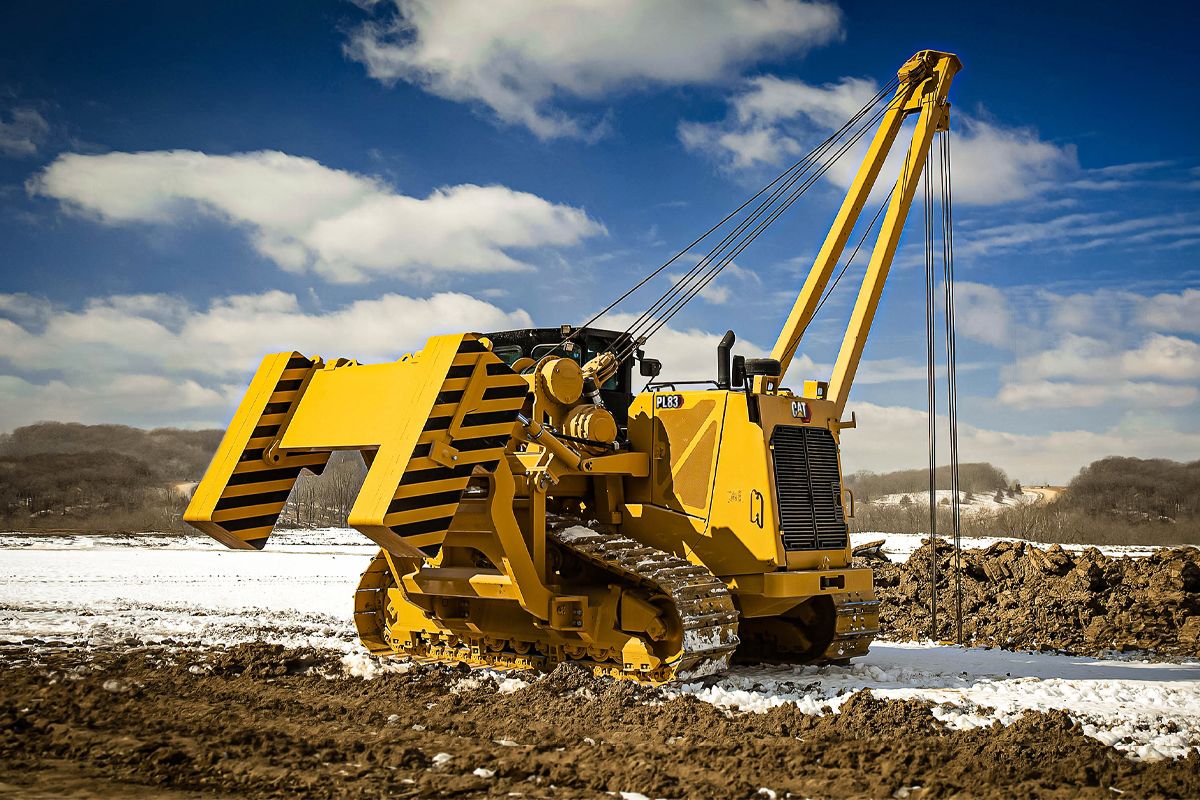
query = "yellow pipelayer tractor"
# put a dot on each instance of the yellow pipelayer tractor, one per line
(531, 509)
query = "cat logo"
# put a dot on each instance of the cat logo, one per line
(801, 411)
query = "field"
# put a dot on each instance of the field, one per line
(165, 666)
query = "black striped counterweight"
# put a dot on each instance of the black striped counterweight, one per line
(473, 418)
(256, 490)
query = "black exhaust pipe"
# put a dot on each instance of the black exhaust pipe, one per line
(723, 350)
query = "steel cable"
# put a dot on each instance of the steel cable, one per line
(697, 278)
(802, 164)
(656, 324)
(931, 398)
(951, 371)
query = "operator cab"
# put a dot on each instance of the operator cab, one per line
(537, 343)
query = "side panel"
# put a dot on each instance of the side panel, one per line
(743, 523)
(732, 531)
(739, 530)
(686, 435)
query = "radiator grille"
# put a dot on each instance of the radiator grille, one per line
(809, 489)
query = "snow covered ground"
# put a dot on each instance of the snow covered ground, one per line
(110, 589)
(968, 504)
(1149, 710)
(105, 589)
(899, 546)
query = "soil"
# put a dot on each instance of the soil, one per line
(257, 721)
(1018, 596)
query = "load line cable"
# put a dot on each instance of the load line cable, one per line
(698, 276)
(782, 182)
(715, 268)
(931, 400)
(801, 163)
(684, 297)
(947, 192)
(703, 280)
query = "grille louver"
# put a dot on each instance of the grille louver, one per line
(809, 489)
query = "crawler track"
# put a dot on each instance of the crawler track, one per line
(699, 609)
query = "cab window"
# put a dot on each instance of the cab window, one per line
(509, 353)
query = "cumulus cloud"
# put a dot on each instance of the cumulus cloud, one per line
(520, 58)
(23, 132)
(137, 358)
(1026, 394)
(771, 120)
(732, 281)
(1171, 312)
(307, 217)
(981, 312)
(1156, 356)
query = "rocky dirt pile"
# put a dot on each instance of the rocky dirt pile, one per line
(1019, 596)
(262, 722)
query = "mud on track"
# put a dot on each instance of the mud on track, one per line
(259, 721)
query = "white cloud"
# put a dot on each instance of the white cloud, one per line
(1083, 371)
(771, 120)
(1042, 394)
(519, 58)
(718, 291)
(132, 357)
(308, 217)
(892, 437)
(1086, 349)
(981, 312)
(23, 133)
(1076, 233)
(1168, 358)
(1171, 312)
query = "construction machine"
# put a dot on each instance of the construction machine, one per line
(532, 507)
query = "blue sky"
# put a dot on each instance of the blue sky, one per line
(186, 186)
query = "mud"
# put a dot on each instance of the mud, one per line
(260, 722)
(1018, 596)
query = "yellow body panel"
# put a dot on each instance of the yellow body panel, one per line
(726, 518)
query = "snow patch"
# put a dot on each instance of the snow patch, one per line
(1146, 710)
(367, 667)
(576, 533)
(898, 547)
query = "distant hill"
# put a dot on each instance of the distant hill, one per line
(68, 476)
(978, 477)
(171, 454)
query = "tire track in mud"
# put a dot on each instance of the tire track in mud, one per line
(261, 721)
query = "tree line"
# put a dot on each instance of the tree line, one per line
(1115, 500)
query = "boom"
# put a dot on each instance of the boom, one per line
(924, 85)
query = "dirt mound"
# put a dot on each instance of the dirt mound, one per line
(1019, 596)
(184, 726)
